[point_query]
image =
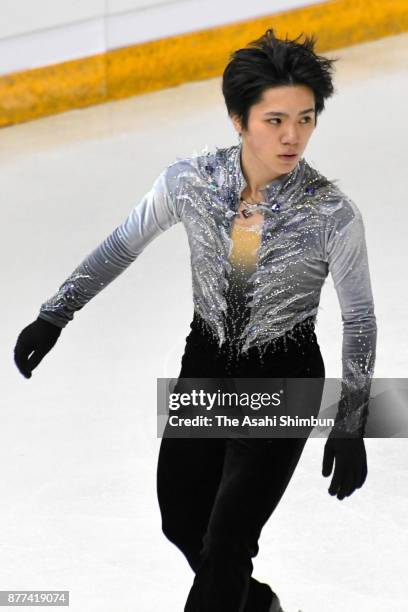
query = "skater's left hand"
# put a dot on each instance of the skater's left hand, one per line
(350, 469)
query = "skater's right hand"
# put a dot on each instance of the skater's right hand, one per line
(38, 338)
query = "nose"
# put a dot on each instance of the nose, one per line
(290, 135)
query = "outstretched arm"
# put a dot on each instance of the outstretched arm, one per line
(151, 216)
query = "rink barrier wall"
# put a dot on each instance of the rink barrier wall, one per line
(199, 55)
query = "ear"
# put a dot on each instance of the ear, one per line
(236, 123)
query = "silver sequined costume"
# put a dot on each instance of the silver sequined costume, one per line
(310, 228)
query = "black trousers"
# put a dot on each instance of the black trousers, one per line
(216, 494)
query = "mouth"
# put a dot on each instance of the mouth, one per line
(288, 157)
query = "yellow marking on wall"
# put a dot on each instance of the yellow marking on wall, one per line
(158, 64)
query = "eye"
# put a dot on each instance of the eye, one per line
(308, 119)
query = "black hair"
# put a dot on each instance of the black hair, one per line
(271, 62)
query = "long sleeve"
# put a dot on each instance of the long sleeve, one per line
(348, 264)
(151, 216)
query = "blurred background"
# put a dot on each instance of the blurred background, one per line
(96, 98)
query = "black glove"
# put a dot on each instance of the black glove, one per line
(350, 470)
(38, 338)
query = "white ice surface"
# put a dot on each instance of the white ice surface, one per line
(78, 509)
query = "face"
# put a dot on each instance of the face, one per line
(278, 124)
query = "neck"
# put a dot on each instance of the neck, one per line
(256, 174)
